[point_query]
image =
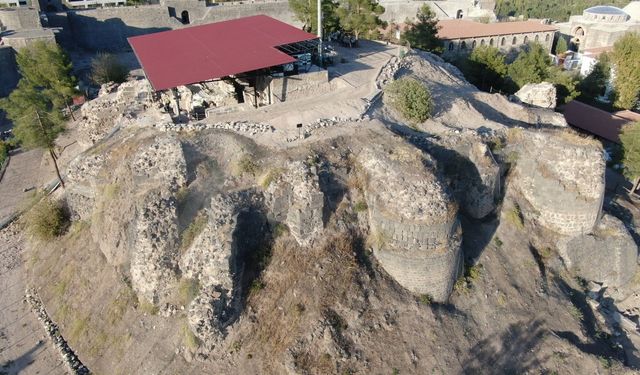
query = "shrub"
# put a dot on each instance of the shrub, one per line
(514, 216)
(360, 206)
(280, 229)
(425, 299)
(4, 151)
(411, 99)
(107, 68)
(47, 219)
(246, 165)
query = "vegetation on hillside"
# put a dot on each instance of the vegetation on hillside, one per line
(47, 219)
(630, 138)
(106, 68)
(45, 89)
(307, 12)
(626, 57)
(558, 10)
(423, 33)
(360, 17)
(411, 98)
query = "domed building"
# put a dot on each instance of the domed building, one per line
(600, 26)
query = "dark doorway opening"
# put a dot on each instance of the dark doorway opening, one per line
(185, 17)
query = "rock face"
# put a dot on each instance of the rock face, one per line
(608, 256)
(154, 255)
(561, 175)
(209, 258)
(295, 198)
(538, 94)
(413, 220)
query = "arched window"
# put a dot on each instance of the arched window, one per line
(185, 17)
(526, 39)
(473, 45)
(463, 45)
(459, 14)
(503, 41)
(546, 38)
(482, 42)
(451, 46)
(537, 38)
(491, 42)
(514, 41)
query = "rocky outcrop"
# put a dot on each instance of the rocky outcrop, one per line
(561, 176)
(541, 95)
(413, 220)
(295, 198)
(209, 258)
(608, 256)
(207, 315)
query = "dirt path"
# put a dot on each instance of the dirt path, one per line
(24, 348)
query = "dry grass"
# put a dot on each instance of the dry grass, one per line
(188, 289)
(377, 238)
(189, 339)
(272, 174)
(245, 165)
(283, 309)
(576, 138)
(147, 307)
(514, 216)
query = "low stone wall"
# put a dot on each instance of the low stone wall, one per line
(69, 358)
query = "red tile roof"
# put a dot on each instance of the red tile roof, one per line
(595, 121)
(460, 29)
(200, 53)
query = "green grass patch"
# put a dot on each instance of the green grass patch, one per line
(514, 216)
(360, 206)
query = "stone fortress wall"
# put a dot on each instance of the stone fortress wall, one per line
(505, 43)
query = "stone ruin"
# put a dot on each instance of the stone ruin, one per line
(295, 199)
(413, 220)
(541, 95)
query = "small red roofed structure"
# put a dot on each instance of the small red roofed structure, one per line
(596, 121)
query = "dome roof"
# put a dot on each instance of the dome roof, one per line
(605, 10)
(633, 9)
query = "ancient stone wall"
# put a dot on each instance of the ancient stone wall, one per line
(9, 77)
(562, 176)
(413, 220)
(107, 29)
(20, 18)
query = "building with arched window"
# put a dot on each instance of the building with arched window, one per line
(462, 36)
(600, 26)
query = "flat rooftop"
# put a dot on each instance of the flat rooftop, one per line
(201, 53)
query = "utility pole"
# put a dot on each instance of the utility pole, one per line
(320, 58)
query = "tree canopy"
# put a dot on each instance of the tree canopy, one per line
(45, 66)
(531, 66)
(630, 139)
(485, 68)
(561, 46)
(106, 68)
(626, 57)
(35, 106)
(558, 10)
(423, 34)
(411, 98)
(360, 17)
(306, 11)
(595, 83)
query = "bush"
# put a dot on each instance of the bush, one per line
(411, 99)
(107, 68)
(4, 151)
(47, 219)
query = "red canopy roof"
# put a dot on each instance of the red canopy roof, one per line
(200, 53)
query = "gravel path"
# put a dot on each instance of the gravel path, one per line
(24, 348)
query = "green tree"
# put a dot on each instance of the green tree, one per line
(411, 98)
(360, 17)
(531, 66)
(485, 68)
(106, 68)
(423, 34)
(561, 46)
(630, 139)
(47, 67)
(306, 11)
(595, 83)
(554, 9)
(626, 57)
(566, 84)
(37, 122)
